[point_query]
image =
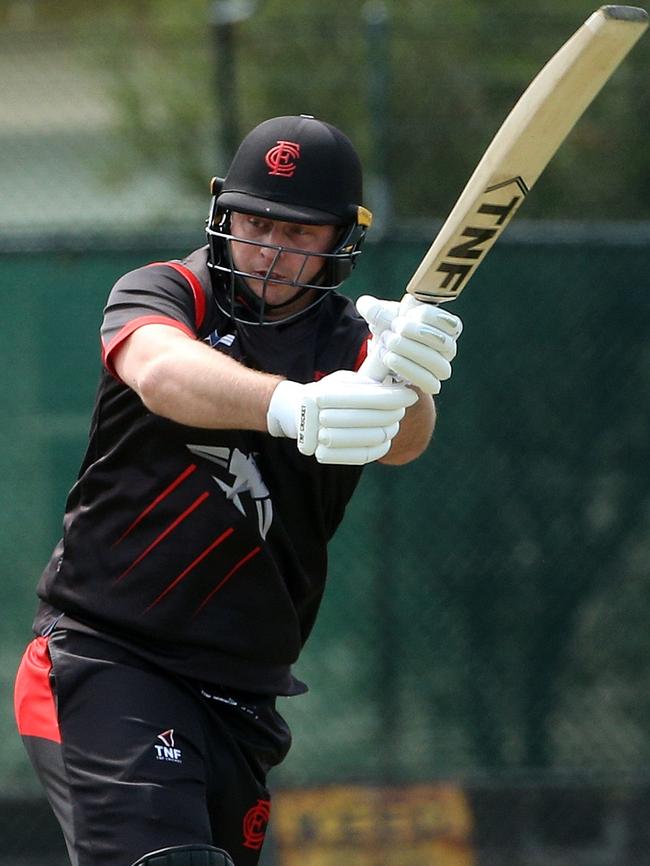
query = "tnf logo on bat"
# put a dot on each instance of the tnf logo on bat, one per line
(281, 159)
(497, 206)
(254, 827)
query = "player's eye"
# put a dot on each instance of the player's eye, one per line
(299, 231)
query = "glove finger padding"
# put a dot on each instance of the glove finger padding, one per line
(432, 315)
(360, 393)
(355, 418)
(430, 359)
(352, 417)
(377, 313)
(351, 456)
(364, 437)
(414, 342)
(420, 344)
(426, 335)
(343, 418)
(414, 373)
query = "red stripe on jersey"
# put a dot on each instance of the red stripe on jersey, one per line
(194, 284)
(361, 357)
(232, 571)
(33, 699)
(189, 568)
(363, 354)
(108, 351)
(185, 474)
(172, 526)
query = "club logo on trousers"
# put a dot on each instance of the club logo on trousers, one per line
(281, 159)
(255, 821)
(168, 751)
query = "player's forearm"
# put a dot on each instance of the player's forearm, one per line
(218, 394)
(414, 434)
(189, 383)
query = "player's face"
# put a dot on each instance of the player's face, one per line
(272, 271)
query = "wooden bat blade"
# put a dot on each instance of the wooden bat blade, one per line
(525, 143)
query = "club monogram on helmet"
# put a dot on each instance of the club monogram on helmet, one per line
(297, 170)
(281, 159)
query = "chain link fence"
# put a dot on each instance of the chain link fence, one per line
(113, 118)
(482, 651)
(485, 617)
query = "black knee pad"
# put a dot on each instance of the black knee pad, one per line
(186, 855)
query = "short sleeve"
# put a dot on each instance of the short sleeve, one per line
(166, 293)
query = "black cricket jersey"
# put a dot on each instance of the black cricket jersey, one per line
(205, 550)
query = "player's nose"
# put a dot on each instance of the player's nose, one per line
(274, 238)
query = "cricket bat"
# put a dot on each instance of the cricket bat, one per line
(523, 146)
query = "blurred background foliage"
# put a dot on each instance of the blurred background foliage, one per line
(156, 94)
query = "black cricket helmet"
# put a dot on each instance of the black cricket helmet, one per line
(294, 169)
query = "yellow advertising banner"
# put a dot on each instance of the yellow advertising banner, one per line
(356, 825)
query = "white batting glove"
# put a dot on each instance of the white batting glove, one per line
(344, 418)
(414, 342)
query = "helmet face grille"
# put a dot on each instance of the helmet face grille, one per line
(240, 302)
(297, 169)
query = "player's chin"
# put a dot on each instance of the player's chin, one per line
(273, 293)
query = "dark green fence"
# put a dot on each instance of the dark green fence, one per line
(486, 619)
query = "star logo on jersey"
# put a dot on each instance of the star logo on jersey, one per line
(216, 339)
(242, 483)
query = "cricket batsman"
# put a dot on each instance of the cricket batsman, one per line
(230, 429)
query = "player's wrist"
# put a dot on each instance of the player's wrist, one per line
(282, 416)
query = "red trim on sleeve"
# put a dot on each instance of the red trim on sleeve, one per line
(33, 699)
(108, 350)
(194, 283)
(363, 354)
